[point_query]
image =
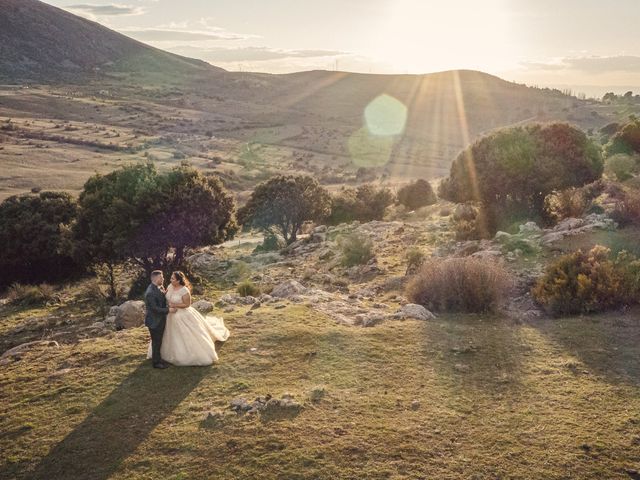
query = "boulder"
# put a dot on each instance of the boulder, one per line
(203, 306)
(288, 289)
(130, 314)
(413, 310)
(529, 228)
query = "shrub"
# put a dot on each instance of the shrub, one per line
(567, 203)
(363, 204)
(627, 208)
(357, 249)
(271, 243)
(286, 203)
(626, 139)
(30, 294)
(417, 194)
(621, 166)
(248, 288)
(415, 258)
(33, 237)
(239, 271)
(588, 282)
(514, 169)
(459, 285)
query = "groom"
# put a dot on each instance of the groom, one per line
(156, 317)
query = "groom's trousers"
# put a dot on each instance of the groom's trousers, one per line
(156, 342)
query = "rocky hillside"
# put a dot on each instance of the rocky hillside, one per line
(42, 42)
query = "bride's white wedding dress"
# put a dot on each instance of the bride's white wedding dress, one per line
(189, 337)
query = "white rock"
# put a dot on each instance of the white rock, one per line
(203, 306)
(130, 314)
(288, 289)
(413, 310)
(529, 227)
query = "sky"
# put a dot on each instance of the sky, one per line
(588, 46)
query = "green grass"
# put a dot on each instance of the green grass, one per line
(555, 399)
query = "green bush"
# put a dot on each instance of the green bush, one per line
(239, 271)
(626, 140)
(627, 208)
(248, 288)
(365, 203)
(271, 243)
(357, 249)
(589, 282)
(33, 235)
(463, 284)
(417, 194)
(621, 166)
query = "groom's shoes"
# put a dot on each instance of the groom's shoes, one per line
(161, 365)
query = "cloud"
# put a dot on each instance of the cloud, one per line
(593, 65)
(169, 34)
(249, 54)
(109, 10)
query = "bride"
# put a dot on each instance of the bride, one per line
(189, 337)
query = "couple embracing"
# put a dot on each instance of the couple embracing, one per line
(180, 335)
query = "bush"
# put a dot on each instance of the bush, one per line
(415, 258)
(271, 243)
(626, 140)
(30, 294)
(459, 285)
(621, 166)
(514, 169)
(417, 194)
(627, 209)
(239, 271)
(33, 235)
(588, 282)
(248, 289)
(357, 249)
(363, 204)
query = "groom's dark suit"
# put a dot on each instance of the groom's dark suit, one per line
(156, 319)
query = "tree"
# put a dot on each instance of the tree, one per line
(512, 170)
(285, 203)
(365, 203)
(417, 194)
(32, 235)
(137, 214)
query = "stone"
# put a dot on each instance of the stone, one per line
(487, 254)
(130, 314)
(415, 311)
(18, 350)
(203, 306)
(529, 228)
(288, 289)
(502, 236)
(415, 405)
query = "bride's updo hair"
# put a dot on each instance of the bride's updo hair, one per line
(182, 279)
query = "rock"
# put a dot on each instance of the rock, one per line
(240, 405)
(256, 305)
(487, 254)
(320, 229)
(228, 309)
(279, 307)
(264, 298)
(568, 224)
(529, 228)
(369, 319)
(17, 351)
(286, 406)
(288, 289)
(415, 405)
(248, 300)
(229, 298)
(413, 310)
(130, 314)
(202, 262)
(110, 321)
(502, 236)
(203, 306)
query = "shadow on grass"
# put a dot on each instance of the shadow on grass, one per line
(477, 352)
(607, 344)
(96, 448)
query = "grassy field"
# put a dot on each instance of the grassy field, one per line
(497, 399)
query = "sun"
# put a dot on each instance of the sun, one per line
(425, 36)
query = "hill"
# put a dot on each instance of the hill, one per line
(83, 98)
(42, 42)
